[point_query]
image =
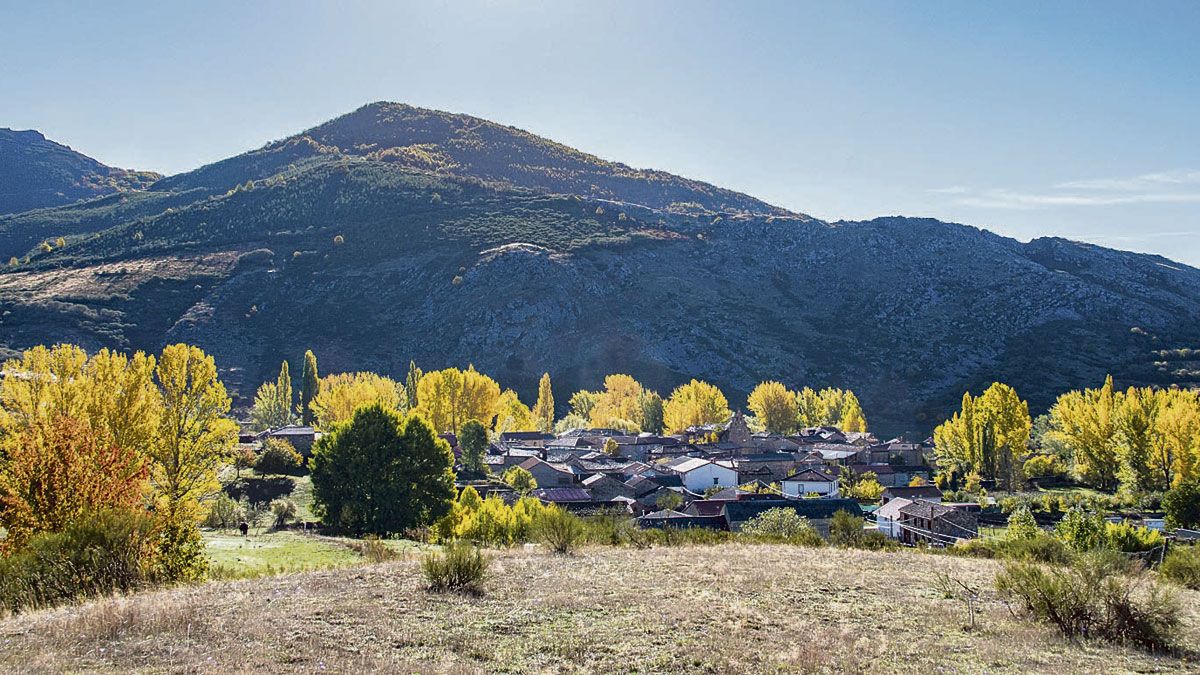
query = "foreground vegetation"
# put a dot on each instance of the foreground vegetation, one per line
(729, 608)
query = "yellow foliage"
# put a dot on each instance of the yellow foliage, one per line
(450, 397)
(694, 404)
(339, 395)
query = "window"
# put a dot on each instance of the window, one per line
(716, 481)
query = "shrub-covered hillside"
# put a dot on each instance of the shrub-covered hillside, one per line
(394, 234)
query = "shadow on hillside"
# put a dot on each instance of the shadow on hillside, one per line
(260, 490)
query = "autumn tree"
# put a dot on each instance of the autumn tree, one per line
(695, 404)
(988, 435)
(1084, 423)
(448, 398)
(512, 414)
(382, 473)
(273, 402)
(582, 403)
(310, 384)
(830, 407)
(619, 404)
(774, 407)
(339, 395)
(60, 472)
(194, 439)
(520, 480)
(473, 441)
(543, 410)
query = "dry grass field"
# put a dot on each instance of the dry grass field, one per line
(718, 609)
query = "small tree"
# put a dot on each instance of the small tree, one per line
(283, 510)
(1081, 530)
(473, 440)
(520, 480)
(1182, 505)
(278, 457)
(669, 500)
(779, 523)
(611, 447)
(243, 458)
(1021, 524)
(309, 384)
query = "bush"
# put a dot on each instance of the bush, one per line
(1131, 538)
(98, 555)
(847, 530)
(561, 531)
(1042, 547)
(460, 568)
(782, 524)
(279, 457)
(1182, 566)
(283, 510)
(224, 513)
(1099, 597)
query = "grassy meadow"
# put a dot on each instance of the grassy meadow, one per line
(727, 608)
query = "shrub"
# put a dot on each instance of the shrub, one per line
(847, 530)
(1099, 596)
(783, 524)
(279, 457)
(460, 568)
(1082, 531)
(374, 550)
(1182, 565)
(561, 531)
(1022, 525)
(283, 510)
(1131, 538)
(101, 554)
(1042, 547)
(224, 513)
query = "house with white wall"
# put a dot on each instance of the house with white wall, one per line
(810, 481)
(699, 474)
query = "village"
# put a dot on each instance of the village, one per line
(715, 476)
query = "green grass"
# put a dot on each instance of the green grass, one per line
(267, 553)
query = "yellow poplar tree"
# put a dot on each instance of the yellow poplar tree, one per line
(774, 406)
(543, 410)
(448, 398)
(513, 415)
(340, 394)
(696, 403)
(619, 405)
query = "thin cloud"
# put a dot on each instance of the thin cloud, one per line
(1163, 187)
(1145, 181)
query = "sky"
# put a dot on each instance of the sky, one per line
(1030, 119)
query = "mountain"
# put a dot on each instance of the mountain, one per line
(36, 173)
(396, 233)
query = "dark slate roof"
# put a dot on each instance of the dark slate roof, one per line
(525, 436)
(812, 476)
(740, 511)
(767, 457)
(292, 431)
(560, 495)
(924, 509)
(921, 492)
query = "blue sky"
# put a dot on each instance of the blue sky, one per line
(1073, 119)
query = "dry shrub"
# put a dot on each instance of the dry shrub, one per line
(460, 568)
(1099, 596)
(563, 532)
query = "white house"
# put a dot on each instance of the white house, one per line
(887, 517)
(810, 481)
(699, 474)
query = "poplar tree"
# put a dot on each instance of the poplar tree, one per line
(543, 410)
(310, 383)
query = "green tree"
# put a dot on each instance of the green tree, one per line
(520, 480)
(1021, 524)
(310, 384)
(669, 500)
(382, 473)
(273, 402)
(473, 441)
(1182, 505)
(410, 385)
(543, 410)
(652, 412)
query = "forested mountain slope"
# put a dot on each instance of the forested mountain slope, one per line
(36, 173)
(395, 233)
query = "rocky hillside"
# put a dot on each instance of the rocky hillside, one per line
(36, 173)
(523, 256)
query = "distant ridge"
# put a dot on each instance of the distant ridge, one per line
(396, 233)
